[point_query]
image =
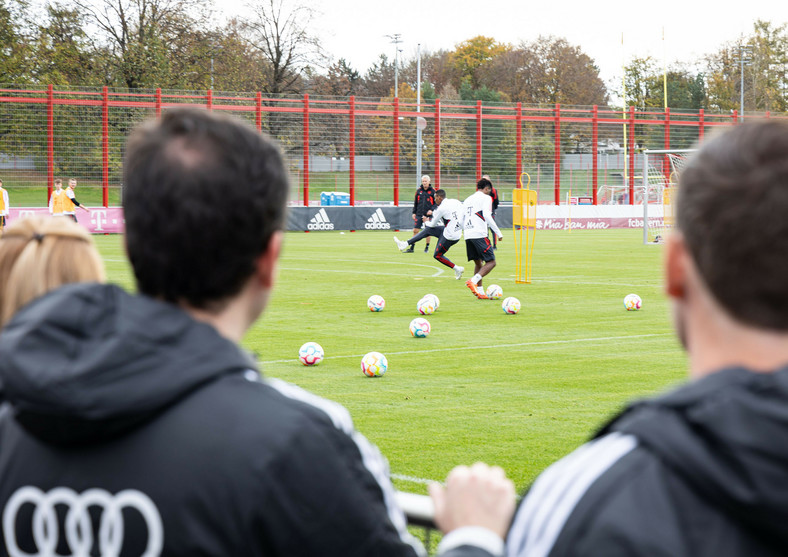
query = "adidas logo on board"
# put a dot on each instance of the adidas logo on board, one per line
(320, 221)
(377, 221)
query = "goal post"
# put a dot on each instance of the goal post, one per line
(660, 169)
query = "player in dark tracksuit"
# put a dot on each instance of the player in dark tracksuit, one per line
(423, 204)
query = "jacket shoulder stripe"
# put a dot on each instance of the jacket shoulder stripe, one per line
(373, 460)
(548, 505)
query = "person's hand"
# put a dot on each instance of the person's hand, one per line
(500, 238)
(477, 496)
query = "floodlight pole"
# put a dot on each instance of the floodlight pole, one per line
(744, 53)
(418, 109)
(396, 40)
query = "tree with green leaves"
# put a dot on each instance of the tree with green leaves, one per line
(15, 60)
(138, 37)
(63, 54)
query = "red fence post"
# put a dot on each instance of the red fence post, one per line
(735, 116)
(209, 100)
(701, 125)
(478, 140)
(437, 144)
(258, 111)
(158, 103)
(352, 148)
(518, 143)
(595, 153)
(50, 140)
(631, 142)
(105, 145)
(396, 151)
(557, 148)
(305, 135)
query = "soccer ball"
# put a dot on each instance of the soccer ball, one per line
(374, 364)
(435, 301)
(494, 292)
(419, 327)
(426, 305)
(376, 303)
(510, 305)
(632, 302)
(311, 354)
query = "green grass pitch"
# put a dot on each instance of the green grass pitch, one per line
(519, 391)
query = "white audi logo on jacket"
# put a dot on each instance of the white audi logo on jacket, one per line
(78, 528)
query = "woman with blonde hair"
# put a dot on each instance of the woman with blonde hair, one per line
(40, 254)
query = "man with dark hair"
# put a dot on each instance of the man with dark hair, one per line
(140, 416)
(478, 218)
(703, 470)
(495, 202)
(446, 225)
(423, 204)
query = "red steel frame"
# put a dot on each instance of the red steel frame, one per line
(394, 109)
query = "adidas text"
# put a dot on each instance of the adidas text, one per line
(377, 221)
(320, 221)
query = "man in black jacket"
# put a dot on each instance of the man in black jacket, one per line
(135, 425)
(423, 204)
(703, 470)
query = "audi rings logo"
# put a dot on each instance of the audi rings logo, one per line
(78, 528)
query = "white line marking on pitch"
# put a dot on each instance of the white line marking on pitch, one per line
(412, 479)
(512, 345)
(438, 270)
(357, 272)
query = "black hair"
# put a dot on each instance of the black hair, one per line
(441, 193)
(483, 183)
(203, 195)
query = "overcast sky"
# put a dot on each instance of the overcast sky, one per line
(356, 29)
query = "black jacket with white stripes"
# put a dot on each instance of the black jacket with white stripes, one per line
(702, 471)
(129, 426)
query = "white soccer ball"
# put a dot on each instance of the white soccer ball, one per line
(419, 327)
(311, 354)
(632, 302)
(374, 364)
(426, 306)
(510, 305)
(435, 301)
(494, 292)
(376, 303)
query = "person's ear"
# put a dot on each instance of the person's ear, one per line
(676, 262)
(266, 263)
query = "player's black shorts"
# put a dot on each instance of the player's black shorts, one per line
(479, 248)
(443, 245)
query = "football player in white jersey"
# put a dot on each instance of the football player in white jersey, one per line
(477, 209)
(446, 224)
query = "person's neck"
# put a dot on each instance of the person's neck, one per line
(722, 342)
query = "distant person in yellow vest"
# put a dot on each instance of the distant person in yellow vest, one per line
(4, 207)
(57, 201)
(71, 201)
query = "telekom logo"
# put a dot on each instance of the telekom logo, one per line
(99, 217)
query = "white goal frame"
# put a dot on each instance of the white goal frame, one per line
(658, 182)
